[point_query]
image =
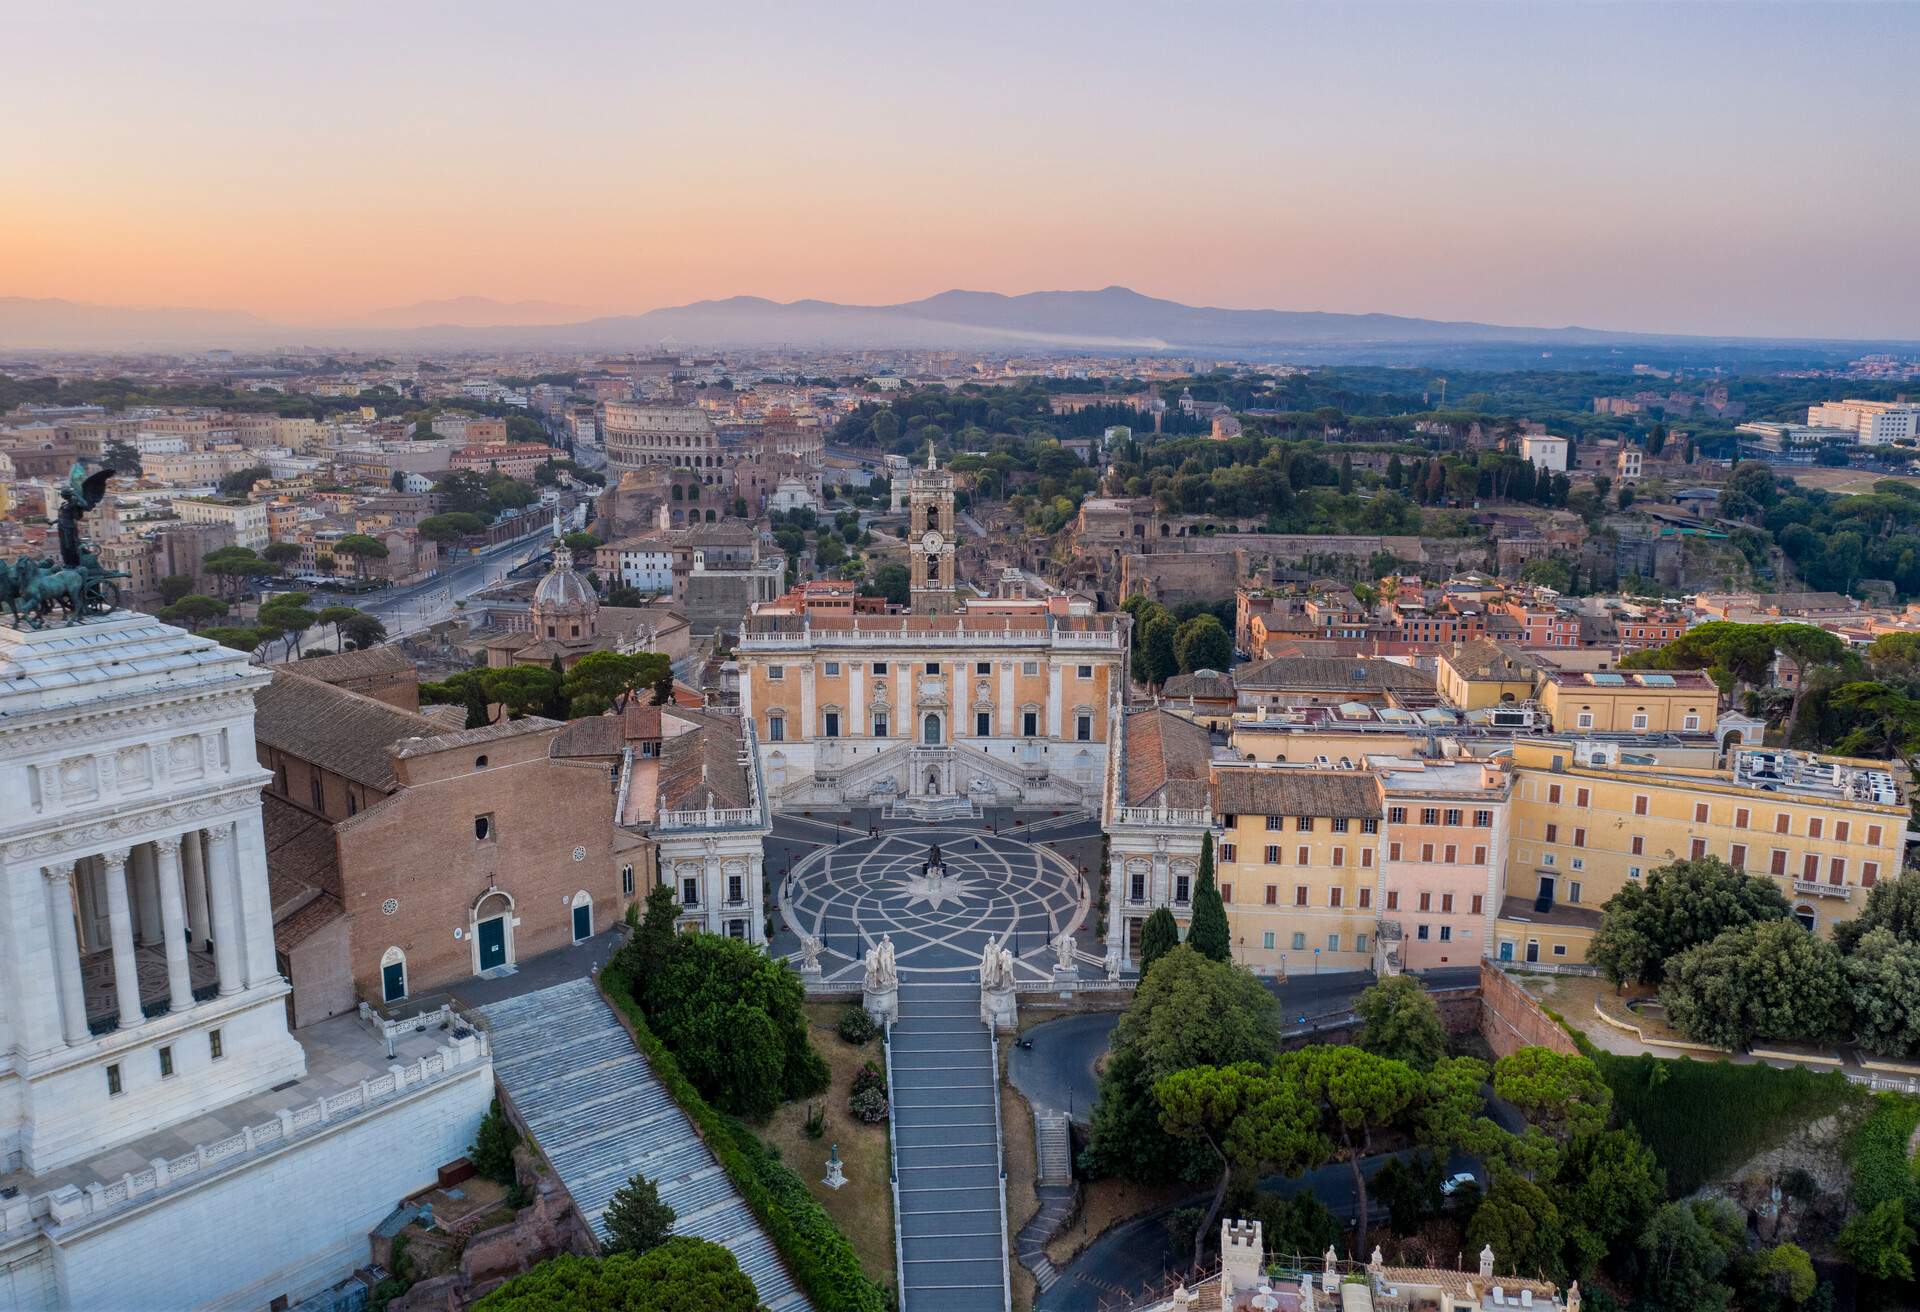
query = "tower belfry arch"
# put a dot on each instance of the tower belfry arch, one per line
(932, 540)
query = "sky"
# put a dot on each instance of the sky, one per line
(1746, 169)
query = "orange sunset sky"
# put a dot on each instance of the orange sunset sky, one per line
(1695, 168)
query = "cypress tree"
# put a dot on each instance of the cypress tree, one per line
(1207, 934)
(1159, 936)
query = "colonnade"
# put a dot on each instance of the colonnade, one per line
(180, 892)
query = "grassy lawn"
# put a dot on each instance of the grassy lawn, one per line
(1702, 1118)
(863, 1209)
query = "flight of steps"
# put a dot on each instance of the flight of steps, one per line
(1052, 1148)
(594, 1107)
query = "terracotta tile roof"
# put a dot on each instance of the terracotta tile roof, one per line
(1164, 750)
(447, 715)
(427, 744)
(703, 760)
(1243, 791)
(333, 728)
(346, 665)
(1485, 659)
(297, 928)
(593, 736)
(300, 849)
(1210, 684)
(1329, 674)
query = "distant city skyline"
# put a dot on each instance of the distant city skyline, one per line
(1737, 170)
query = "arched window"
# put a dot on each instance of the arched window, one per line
(1805, 916)
(930, 731)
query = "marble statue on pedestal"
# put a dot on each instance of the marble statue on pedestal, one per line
(880, 989)
(997, 1006)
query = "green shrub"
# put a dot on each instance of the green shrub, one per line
(869, 1076)
(857, 1026)
(1685, 1109)
(817, 1254)
(680, 1274)
(868, 1105)
(492, 1150)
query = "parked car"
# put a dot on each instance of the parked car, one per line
(1455, 1183)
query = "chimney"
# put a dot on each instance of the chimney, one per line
(1486, 1262)
(1243, 1253)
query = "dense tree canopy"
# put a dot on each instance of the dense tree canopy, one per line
(1675, 907)
(681, 1275)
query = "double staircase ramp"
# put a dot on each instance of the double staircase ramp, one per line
(598, 1114)
(946, 1134)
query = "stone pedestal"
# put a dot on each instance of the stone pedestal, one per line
(998, 1009)
(882, 1004)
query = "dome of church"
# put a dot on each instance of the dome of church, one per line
(563, 587)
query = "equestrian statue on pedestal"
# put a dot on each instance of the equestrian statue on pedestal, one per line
(31, 588)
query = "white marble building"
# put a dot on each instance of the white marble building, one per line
(142, 1011)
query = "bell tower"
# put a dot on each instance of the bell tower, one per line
(931, 540)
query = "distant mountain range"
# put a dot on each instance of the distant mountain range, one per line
(1113, 318)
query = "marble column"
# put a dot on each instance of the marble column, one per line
(224, 901)
(66, 952)
(193, 856)
(173, 921)
(145, 890)
(126, 967)
(256, 906)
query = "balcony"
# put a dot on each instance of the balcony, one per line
(1814, 888)
(1165, 816)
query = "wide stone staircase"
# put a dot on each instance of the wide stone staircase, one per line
(947, 1144)
(593, 1105)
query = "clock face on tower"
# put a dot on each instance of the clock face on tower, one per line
(930, 540)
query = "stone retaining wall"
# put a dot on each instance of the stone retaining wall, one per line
(1510, 1018)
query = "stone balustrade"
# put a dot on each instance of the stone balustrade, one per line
(1172, 816)
(72, 1204)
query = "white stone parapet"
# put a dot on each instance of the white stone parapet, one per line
(1165, 816)
(72, 1205)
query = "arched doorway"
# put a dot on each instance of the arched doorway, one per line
(492, 931)
(582, 916)
(1806, 918)
(930, 731)
(393, 975)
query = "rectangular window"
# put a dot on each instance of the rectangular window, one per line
(776, 673)
(1273, 895)
(1553, 794)
(1226, 893)
(1339, 856)
(1029, 668)
(1299, 942)
(1479, 856)
(1446, 904)
(113, 1081)
(833, 724)
(776, 728)
(1273, 854)
(1638, 845)
(626, 880)
(1426, 901)
(1815, 826)
(1426, 851)
(1182, 889)
(1030, 724)
(1359, 942)
(1393, 851)
(1740, 817)
(1700, 813)
(933, 667)
(879, 667)
(1579, 837)
(1266, 940)
(983, 667)
(1451, 817)
(1640, 720)
(1699, 848)
(1783, 823)
(1306, 856)
(1086, 671)
(879, 724)
(1581, 797)
(1559, 949)
(1483, 819)
(1869, 874)
(1339, 824)
(1393, 899)
(1633, 872)
(1479, 902)
(983, 724)
(166, 1062)
(1841, 829)
(1553, 833)
(1573, 890)
(1369, 826)
(1810, 867)
(215, 1048)
(1429, 815)
(1446, 933)
(1837, 871)
(1333, 942)
(1396, 815)
(735, 891)
(1227, 851)
(1303, 824)
(1334, 895)
(1276, 824)
(1299, 895)
(1422, 934)
(1450, 854)
(1737, 856)
(1640, 804)
(1777, 863)
(833, 669)
(690, 891)
(1586, 720)
(1366, 896)
(1137, 887)
(1366, 858)
(1873, 835)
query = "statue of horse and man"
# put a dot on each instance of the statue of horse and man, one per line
(32, 589)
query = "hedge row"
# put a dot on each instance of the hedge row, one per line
(1877, 1152)
(816, 1252)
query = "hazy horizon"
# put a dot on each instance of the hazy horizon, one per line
(1704, 169)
